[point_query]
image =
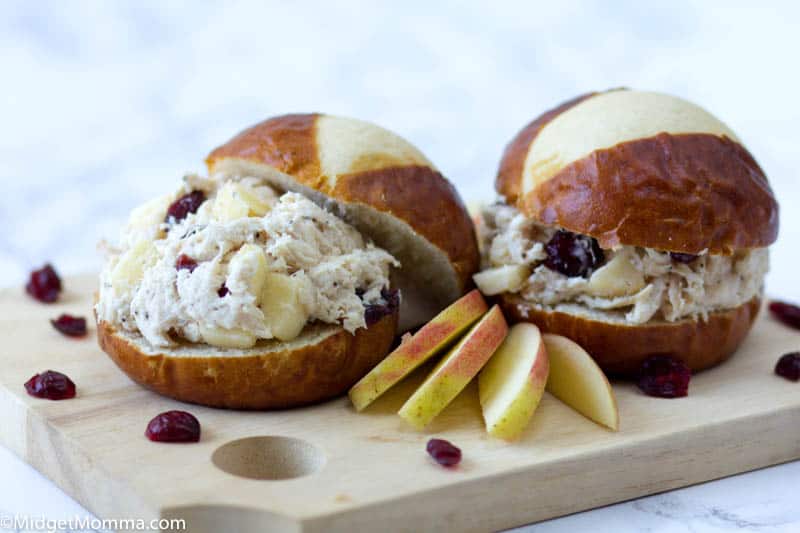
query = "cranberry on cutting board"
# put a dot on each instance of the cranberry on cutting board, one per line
(444, 452)
(51, 385)
(173, 426)
(663, 376)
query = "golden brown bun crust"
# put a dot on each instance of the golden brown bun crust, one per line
(287, 143)
(687, 187)
(620, 349)
(272, 380)
(427, 202)
(508, 182)
(417, 194)
(681, 193)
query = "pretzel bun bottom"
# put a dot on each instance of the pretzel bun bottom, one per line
(620, 349)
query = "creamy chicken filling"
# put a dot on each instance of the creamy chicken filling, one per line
(247, 264)
(631, 285)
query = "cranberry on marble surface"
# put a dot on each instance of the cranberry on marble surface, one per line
(44, 284)
(71, 326)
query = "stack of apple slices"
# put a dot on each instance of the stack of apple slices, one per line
(514, 367)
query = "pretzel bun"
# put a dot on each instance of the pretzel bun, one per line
(376, 181)
(619, 349)
(323, 362)
(640, 169)
(633, 168)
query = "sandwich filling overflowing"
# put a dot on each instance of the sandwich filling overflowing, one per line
(556, 270)
(230, 261)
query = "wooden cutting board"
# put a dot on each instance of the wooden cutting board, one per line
(370, 471)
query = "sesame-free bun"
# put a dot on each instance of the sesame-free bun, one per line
(633, 168)
(620, 348)
(323, 362)
(376, 181)
(640, 169)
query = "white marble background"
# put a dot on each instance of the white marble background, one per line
(105, 104)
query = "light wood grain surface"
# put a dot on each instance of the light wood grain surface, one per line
(372, 471)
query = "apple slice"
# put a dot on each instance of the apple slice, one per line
(455, 370)
(576, 380)
(425, 343)
(506, 278)
(512, 382)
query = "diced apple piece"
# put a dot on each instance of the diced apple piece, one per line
(506, 278)
(512, 382)
(249, 263)
(617, 278)
(235, 201)
(150, 213)
(284, 313)
(259, 200)
(229, 205)
(424, 344)
(227, 338)
(576, 380)
(455, 370)
(132, 264)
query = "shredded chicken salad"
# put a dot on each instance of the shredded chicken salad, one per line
(634, 285)
(246, 264)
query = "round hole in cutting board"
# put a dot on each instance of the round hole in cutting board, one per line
(269, 457)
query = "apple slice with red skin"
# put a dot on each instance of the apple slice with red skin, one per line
(424, 344)
(455, 370)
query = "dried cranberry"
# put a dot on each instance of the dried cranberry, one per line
(188, 203)
(51, 385)
(789, 366)
(572, 254)
(787, 313)
(173, 426)
(683, 258)
(664, 376)
(223, 291)
(443, 452)
(374, 312)
(72, 326)
(44, 284)
(184, 262)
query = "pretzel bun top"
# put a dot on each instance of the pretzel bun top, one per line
(640, 169)
(378, 182)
